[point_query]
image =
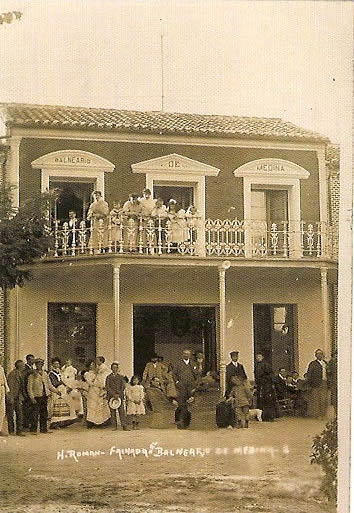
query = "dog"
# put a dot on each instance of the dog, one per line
(255, 413)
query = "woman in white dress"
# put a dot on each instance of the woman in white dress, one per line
(179, 229)
(60, 418)
(98, 411)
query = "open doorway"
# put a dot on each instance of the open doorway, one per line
(168, 329)
(275, 334)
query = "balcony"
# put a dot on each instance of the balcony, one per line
(194, 237)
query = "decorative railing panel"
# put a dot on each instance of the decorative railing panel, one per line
(192, 236)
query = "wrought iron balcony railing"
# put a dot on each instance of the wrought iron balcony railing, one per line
(192, 236)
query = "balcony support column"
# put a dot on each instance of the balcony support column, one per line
(325, 312)
(222, 317)
(116, 301)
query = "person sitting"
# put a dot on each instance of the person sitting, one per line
(280, 384)
(163, 410)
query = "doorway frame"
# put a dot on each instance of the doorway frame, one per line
(296, 329)
(184, 305)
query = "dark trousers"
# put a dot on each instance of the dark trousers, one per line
(122, 416)
(39, 412)
(26, 412)
(11, 409)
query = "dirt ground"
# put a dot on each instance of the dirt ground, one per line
(261, 469)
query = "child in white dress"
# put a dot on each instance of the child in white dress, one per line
(135, 400)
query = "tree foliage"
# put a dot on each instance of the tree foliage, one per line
(9, 17)
(24, 236)
(325, 454)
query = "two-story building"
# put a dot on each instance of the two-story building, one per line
(256, 270)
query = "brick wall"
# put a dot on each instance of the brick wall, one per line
(332, 163)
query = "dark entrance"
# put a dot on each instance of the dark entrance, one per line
(73, 195)
(275, 335)
(182, 194)
(72, 332)
(167, 330)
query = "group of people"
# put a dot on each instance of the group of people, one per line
(32, 397)
(125, 218)
(310, 396)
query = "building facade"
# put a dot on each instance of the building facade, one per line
(256, 268)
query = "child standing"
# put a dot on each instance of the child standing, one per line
(135, 400)
(241, 397)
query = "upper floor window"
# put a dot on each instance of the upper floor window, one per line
(177, 177)
(271, 190)
(76, 174)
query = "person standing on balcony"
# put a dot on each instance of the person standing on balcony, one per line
(133, 213)
(147, 203)
(234, 368)
(317, 379)
(179, 230)
(97, 214)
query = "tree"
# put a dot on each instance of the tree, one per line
(24, 236)
(9, 17)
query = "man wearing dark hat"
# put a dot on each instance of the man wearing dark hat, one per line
(39, 388)
(154, 369)
(234, 368)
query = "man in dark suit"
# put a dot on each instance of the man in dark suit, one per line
(14, 398)
(317, 380)
(234, 368)
(185, 376)
(280, 384)
(27, 405)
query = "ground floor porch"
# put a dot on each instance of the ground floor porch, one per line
(126, 311)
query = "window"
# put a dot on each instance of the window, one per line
(76, 173)
(183, 195)
(73, 195)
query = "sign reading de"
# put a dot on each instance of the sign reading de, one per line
(174, 164)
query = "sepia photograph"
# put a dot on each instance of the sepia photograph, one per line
(175, 256)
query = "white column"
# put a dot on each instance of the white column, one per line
(325, 313)
(222, 317)
(13, 168)
(116, 279)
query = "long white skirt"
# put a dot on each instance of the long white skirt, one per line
(98, 410)
(69, 399)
